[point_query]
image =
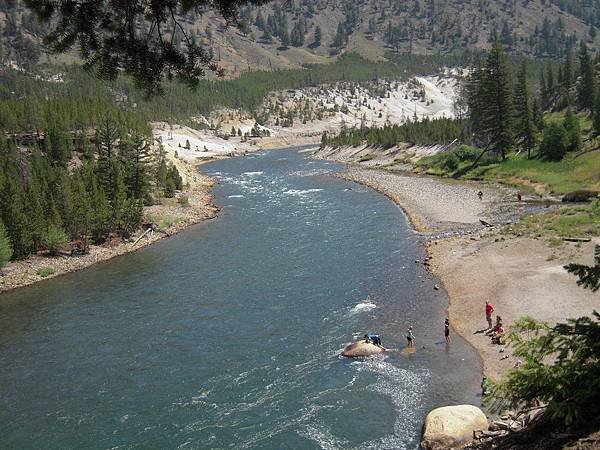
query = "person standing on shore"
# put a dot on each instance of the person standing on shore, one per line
(410, 337)
(447, 330)
(489, 309)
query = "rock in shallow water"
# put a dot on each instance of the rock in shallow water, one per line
(452, 426)
(361, 349)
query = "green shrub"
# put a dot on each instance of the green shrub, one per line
(555, 142)
(54, 238)
(561, 368)
(46, 271)
(467, 153)
(582, 195)
(169, 188)
(451, 162)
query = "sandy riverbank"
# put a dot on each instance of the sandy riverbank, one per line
(519, 276)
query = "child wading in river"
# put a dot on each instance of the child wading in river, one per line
(410, 337)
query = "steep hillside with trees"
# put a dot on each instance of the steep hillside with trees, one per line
(286, 34)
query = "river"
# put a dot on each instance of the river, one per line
(228, 334)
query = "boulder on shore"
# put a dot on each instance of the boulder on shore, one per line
(360, 349)
(452, 426)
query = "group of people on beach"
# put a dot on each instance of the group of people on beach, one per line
(496, 332)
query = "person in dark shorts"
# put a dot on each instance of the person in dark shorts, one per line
(410, 337)
(447, 330)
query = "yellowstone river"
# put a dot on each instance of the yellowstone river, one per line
(228, 334)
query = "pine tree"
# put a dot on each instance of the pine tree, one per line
(550, 78)
(81, 215)
(568, 70)
(538, 116)
(475, 97)
(497, 109)
(106, 145)
(585, 88)
(117, 197)
(544, 96)
(524, 125)
(285, 39)
(596, 117)
(12, 205)
(134, 155)
(571, 125)
(318, 37)
(339, 39)
(5, 247)
(260, 21)
(297, 35)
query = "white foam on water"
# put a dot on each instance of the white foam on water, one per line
(310, 173)
(405, 389)
(235, 196)
(253, 173)
(301, 191)
(323, 437)
(366, 305)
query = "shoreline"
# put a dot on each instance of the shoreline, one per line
(518, 275)
(22, 273)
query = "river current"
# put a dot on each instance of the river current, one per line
(228, 334)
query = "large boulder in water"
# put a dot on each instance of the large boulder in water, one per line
(361, 348)
(452, 426)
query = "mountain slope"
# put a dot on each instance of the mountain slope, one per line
(292, 33)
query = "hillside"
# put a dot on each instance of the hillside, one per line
(290, 34)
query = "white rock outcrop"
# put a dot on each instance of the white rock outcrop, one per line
(452, 426)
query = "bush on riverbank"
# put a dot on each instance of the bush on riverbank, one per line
(561, 364)
(46, 272)
(569, 384)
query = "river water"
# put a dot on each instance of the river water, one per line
(227, 335)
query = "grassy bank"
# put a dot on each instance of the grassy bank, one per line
(572, 221)
(574, 172)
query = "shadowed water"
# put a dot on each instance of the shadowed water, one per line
(228, 334)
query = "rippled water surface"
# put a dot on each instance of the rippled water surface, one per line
(228, 334)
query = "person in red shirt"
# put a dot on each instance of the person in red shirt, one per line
(489, 309)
